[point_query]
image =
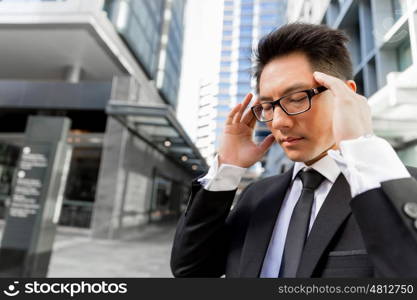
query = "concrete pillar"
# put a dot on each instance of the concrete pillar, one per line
(107, 219)
(108, 204)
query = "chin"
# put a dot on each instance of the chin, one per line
(296, 156)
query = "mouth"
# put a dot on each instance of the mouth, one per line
(289, 141)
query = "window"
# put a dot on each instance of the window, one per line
(226, 63)
(246, 20)
(245, 30)
(268, 6)
(243, 76)
(404, 58)
(398, 8)
(224, 86)
(244, 52)
(246, 10)
(243, 88)
(142, 31)
(226, 42)
(223, 97)
(224, 74)
(226, 53)
(267, 27)
(244, 63)
(245, 42)
(269, 18)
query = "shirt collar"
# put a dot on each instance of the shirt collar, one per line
(326, 166)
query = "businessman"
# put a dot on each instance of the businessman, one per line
(348, 206)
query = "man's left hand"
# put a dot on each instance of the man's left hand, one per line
(352, 113)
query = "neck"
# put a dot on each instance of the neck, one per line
(320, 156)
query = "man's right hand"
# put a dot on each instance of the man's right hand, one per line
(237, 145)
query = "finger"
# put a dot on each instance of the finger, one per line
(248, 117)
(254, 120)
(252, 123)
(237, 117)
(266, 143)
(246, 101)
(334, 84)
(231, 115)
(243, 107)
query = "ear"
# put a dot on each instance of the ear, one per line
(352, 85)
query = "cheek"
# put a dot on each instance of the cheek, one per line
(325, 128)
(320, 124)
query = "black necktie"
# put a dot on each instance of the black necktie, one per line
(300, 219)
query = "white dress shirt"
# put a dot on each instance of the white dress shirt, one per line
(365, 162)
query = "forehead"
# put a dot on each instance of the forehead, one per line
(284, 72)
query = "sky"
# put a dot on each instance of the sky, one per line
(201, 56)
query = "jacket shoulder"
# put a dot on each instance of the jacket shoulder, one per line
(263, 183)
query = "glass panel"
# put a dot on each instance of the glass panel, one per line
(141, 27)
(83, 174)
(161, 193)
(404, 56)
(154, 120)
(398, 8)
(150, 130)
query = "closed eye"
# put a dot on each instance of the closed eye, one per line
(298, 99)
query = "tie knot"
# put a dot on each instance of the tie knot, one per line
(311, 179)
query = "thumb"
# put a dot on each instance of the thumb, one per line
(266, 143)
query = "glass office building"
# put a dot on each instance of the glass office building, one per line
(244, 23)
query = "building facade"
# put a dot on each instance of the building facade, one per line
(113, 68)
(383, 46)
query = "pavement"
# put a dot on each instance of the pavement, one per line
(145, 253)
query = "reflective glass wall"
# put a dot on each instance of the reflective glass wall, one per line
(153, 30)
(139, 22)
(171, 67)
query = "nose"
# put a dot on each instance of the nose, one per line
(281, 119)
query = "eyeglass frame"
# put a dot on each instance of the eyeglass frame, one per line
(310, 94)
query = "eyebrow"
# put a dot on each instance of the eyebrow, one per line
(293, 88)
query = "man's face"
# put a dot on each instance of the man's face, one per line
(305, 136)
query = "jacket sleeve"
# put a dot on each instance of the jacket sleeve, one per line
(387, 218)
(201, 239)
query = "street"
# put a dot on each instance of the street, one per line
(142, 254)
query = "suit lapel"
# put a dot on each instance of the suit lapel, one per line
(332, 214)
(262, 224)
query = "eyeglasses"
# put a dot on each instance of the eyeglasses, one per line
(292, 104)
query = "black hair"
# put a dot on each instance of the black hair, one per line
(324, 47)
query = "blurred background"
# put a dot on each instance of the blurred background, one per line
(142, 88)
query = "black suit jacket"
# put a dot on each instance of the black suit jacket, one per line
(371, 235)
